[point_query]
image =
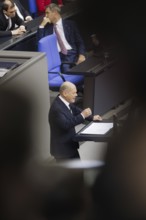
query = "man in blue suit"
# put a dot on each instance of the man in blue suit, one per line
(63, 117)
(68, 33)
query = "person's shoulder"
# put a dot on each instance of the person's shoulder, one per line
(55, 102)
(68, 21)
(70, 24)
(56, 106)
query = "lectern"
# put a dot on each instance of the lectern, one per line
(31, 77)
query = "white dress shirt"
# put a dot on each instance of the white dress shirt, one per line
(65, 102)
(9, 23)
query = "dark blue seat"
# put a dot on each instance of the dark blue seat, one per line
(48, 45)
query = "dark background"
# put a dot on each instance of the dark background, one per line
(122, 23)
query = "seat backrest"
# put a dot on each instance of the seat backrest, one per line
(48, 45)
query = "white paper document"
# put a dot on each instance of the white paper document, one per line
(97, 128)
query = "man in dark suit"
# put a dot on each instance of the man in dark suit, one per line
(8, 20)
(63, 117)
(22, 12)
(68, 32)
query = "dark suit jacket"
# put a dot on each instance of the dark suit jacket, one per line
(23, 11)
(71, 33)
(62, 125)
(4, 24)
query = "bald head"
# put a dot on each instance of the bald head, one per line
(68, 91)
(66, 86)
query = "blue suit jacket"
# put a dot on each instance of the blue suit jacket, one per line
(71, 33)
(62, 125)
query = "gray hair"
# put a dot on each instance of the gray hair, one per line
(54, 7)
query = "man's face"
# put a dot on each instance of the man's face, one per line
(11, 12)
(50, 14)
(70, 95)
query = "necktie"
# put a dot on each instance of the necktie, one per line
(60, 42)
(9, 24)
(70, 108)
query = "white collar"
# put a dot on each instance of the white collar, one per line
(59, 22)
(64, 101)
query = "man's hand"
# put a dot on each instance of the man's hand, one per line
(86, 112)
(45, 21)
(97, 118)
(28, 18)
(80, 59)
(22, 28)
(19, 30)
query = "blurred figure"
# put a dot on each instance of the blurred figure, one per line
(15, 126)
(119, 191)
(16, 149)
(64, 196)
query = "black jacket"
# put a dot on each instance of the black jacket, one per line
(4, 24)
(62, 125)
